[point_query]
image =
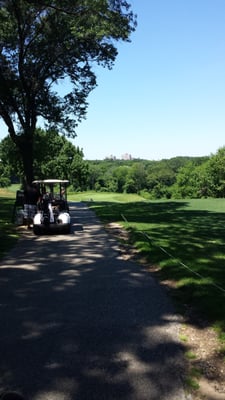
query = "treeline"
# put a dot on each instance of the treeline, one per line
(152, 179)
(178, 177)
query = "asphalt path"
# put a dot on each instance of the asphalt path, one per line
(78, 322)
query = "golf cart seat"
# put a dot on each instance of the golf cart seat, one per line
(60, 204)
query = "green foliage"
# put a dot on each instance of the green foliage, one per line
(4, 182)
(11, 162)
(55, 156)
(79, 172)
(202, 179)
(217, 171)
(154, 179)
(179, 177)
(190, 355)
(162, 173)
(137, 175)
(130, 186)
(192, 383)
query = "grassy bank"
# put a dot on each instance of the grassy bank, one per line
(8, 233)
(186, 239)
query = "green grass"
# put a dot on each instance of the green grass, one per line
(91, 196)
(183, 238)
(8, 233)
(192, 383)
(190, 355)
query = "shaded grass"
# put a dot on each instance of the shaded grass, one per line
(8, 233)
(183, 238)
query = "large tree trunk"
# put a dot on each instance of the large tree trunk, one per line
(25, 144)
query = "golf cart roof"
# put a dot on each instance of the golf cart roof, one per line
(52, 181)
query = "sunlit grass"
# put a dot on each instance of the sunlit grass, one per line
(91, 196)
(10, 194)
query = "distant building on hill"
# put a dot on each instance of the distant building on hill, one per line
(126, 156)
(111, 157)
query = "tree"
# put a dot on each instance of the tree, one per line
(136, 178)
(193, 181)
(79, 172)
(54, 156)
(217, 172)
(120, 173)
(44, 42)
(10, 159)
(160, 178)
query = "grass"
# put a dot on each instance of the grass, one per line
(186, 239)
(8, 234)
(190, 355)
(9, 192)
(100, 197)
(192, 383)
(183, 338)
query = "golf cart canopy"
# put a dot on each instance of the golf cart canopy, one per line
(52, 186)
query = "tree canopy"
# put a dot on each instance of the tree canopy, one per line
(59, 157)
(43, 43)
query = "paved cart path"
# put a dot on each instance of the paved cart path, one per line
(80, 323)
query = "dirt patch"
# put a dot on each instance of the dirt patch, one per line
(201, 340)
(203, 343)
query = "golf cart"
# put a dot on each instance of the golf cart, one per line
(52, 209)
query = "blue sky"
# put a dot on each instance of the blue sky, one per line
(165, 96)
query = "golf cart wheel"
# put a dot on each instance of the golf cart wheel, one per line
(67, 229)
(36, 230)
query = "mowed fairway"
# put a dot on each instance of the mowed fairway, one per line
(185, 238)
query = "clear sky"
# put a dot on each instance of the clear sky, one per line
(165, 96)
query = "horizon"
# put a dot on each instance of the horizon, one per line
(114, 158)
